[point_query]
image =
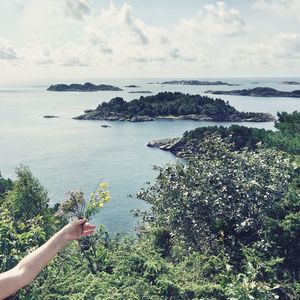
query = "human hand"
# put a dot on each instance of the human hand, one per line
(77, 229)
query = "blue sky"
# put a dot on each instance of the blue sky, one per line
(142, 38)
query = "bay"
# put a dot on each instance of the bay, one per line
(66, 154)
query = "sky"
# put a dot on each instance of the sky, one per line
(61, 39)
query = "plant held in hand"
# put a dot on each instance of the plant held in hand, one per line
(76, 206)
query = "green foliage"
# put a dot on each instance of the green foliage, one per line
(26, 221)
(5, 186)
(221, 196)
(28, 198)
(284, 230)
(225, 225)
(18, 238)
(288, 123)
(286, 139)
(239, 136)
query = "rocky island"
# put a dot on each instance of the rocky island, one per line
(87, 87)
(50, 117)
(140, 92)
(168, 105)
(197, 82)
(132, 86)
(290, 82)
(258, 92)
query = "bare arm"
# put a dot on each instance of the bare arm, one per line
(29, 267)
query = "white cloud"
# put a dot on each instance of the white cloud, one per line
(37, 54)
(215, 20)
(7, 51)
(134, 26)
(215, 39)
(116, 37)
(73, 55)
(12, 3)
(288, 46)
(279, 7)
(225, 20)
(131, 41)
(118, 23)
(77, 9)
(278, 52)
(125, 39)
(68, 55)
(52, 18)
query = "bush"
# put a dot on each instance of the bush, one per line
(221, 197)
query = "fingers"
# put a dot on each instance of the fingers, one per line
(84, 223)
(87, 229)
(87, 232)
(87, 225)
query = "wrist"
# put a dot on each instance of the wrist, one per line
(62, 236)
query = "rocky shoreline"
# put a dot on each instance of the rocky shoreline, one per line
(258, 92)
(112, 116)
(94, 115)
(174, 145)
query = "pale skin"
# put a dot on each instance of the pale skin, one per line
(29, 267)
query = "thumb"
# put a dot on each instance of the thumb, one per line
(80, 221)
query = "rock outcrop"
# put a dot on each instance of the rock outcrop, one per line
(173, 145)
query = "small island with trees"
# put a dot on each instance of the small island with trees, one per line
(132, 86)
(87, 87)
(168, 105)
(197, 82)
(290, 82)
(258, 92)
(140, 92)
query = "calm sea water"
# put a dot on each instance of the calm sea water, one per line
(67, 154)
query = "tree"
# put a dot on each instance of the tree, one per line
(28, 198)
(26, 221)
(5, 185)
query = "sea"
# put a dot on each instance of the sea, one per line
(67, 154)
